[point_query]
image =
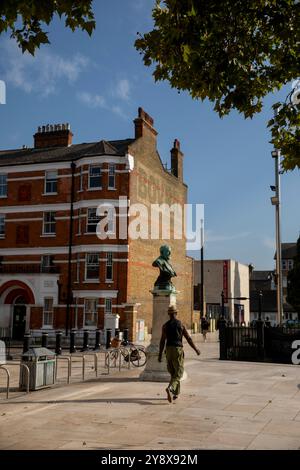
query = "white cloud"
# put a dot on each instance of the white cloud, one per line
(117, 110)
(41, 74)
(122, 90)
(212, 237)
(92, 101)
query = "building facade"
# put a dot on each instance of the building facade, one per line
(265, 282)
(55, 272)
(229, 277)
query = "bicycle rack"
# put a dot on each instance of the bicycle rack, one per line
(83, 357)
(3, 367)
(69, 367)
(8, 379)
(28, 375)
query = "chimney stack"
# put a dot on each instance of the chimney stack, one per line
(144, 125)
(177, 160)
(57, 135)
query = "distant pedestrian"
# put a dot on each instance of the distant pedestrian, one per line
(267, 322)
(171, 337)
(205, 324)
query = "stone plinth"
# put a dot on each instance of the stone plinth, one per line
(157, 371)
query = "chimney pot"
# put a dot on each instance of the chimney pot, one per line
(144, 123)
(53, 135)
(177, 160)
(176, 144)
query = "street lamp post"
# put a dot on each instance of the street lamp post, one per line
(276, 202)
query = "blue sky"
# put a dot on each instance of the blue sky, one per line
(98, 83)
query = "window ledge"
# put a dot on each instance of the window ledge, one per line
(3, 197)
(95, 189)
(111, 189)
(49, 194)
(109, 281)
(47, 327)
(48, 235)
(91, 281)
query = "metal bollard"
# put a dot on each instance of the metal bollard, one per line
(108, 338)
(44, 340)
(85, 340)
(97, 341)
(26, 342)
(125, 336)
(72, 341)
(58, 349)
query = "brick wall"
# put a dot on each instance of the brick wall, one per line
(150, 183)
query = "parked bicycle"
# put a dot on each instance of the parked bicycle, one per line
(135, 353)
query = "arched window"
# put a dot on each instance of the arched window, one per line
(20, 300)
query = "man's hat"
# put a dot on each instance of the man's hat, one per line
(172, 309)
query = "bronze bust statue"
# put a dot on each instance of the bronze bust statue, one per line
(166, 272)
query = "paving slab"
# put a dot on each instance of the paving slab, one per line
(223, 405)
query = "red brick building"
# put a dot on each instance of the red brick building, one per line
(55, 273)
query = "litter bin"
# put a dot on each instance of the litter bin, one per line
(41, 364)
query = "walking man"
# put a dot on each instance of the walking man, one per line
(205, 324)
(172, 333)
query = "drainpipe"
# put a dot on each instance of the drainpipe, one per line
(69, 287)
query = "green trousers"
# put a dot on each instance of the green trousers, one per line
(175, 365)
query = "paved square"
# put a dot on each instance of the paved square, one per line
(224, 405)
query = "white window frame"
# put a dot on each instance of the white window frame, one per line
(93, 221)
(87, 263)
(2, 225)
(78, 267)
(3, 185)
(112, 174)
(49, 223)
(91, 168)
(284, 264)
(108, 306)
(90, 311)
(48, 312)
(81, 178)
(46, 267)
(50, 181)
(109, 264)
(79, 222)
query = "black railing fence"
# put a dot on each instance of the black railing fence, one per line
(257, 342)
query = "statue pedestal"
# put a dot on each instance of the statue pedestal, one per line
(157, 371)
